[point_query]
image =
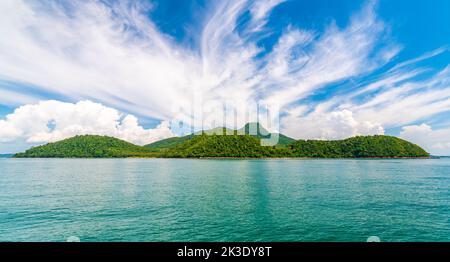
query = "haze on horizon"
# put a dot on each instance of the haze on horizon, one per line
(128, 69)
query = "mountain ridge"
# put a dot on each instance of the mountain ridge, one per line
(261, 132)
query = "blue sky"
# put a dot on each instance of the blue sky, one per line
(130, 68)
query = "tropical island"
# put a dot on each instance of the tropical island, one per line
(226, 143)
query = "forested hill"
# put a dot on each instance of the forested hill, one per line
(244, 146)
(261, 132)
(357, 147)
(168, 143)
(252, 129)
(88, 146)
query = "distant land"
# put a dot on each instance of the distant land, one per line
(237, 144)
(6, 155)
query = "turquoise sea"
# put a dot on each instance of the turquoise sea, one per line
(224, 200)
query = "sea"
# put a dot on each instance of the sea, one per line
(298, 200)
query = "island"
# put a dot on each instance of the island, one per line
(226, 143)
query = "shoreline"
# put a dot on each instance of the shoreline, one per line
(239, 158)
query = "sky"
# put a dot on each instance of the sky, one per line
(136, 69)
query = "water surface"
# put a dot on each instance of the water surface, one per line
(224, 200)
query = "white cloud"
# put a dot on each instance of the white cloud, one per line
(434, 141)
(50, 121)
(394, 99)
(333, 125)
(308, 64)
(15, 98)
(407, 102)
(260, 11)
(87, 49)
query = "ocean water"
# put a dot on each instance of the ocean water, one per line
(224, 200)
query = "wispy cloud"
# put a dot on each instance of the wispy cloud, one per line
(260, 10)
(110, 53)
(107, 51)
(15, 98)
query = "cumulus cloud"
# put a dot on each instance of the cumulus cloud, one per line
(49, 121)
(434, 141)
(334, 125)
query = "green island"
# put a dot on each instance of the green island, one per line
(226, 143)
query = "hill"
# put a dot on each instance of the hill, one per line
(261, 132)
(244, 146)
(167, 143)
(357, 147)
(175, 141)
(252, 129)
(87, 146)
